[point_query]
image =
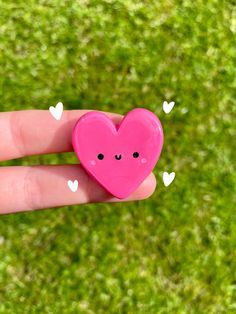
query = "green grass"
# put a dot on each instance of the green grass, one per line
(172, 253)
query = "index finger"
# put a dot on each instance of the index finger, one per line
(33, 132)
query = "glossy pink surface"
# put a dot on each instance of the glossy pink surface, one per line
(119, 172)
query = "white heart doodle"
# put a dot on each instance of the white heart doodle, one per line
(73, 185)
(56, 111)
(168, 178)
(167, 107)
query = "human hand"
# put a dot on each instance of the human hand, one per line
(24, 188)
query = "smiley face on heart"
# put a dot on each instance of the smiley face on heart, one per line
(120, 156)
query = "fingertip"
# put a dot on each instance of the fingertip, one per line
(146, 189)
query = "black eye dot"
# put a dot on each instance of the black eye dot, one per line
(100, 156)
(135, 154)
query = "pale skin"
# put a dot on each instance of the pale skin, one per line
(26, 188)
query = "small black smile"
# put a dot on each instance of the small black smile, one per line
(117, 157)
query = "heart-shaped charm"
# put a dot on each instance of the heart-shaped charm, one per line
(120, 156)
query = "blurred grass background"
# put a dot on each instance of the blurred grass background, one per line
(172, 253)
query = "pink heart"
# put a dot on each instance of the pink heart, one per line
(118, 157)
